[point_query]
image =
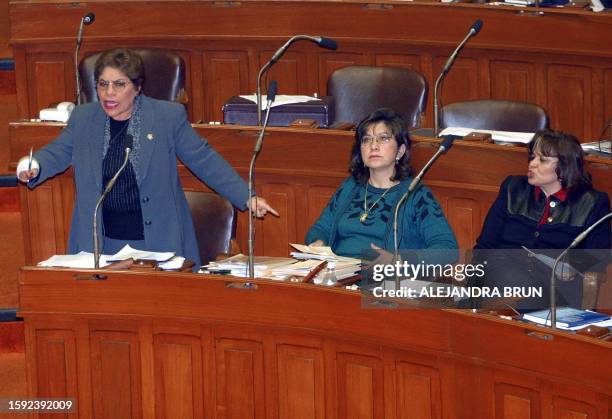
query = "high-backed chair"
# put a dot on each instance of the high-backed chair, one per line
(164, 75)
(214, 220)
(360, 90)
(497, 115)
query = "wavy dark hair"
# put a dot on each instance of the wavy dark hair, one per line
(124, 60)
(397, 125)
(570, 169)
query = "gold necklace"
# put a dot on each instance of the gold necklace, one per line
(366, 210)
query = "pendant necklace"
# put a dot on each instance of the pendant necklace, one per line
(366, 210)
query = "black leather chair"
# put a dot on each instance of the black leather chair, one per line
(497, 115)
(164, 75)
(214, 220)
(360, 90)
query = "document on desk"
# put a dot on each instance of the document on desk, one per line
(280, 100)
(604, 147)
(128, 252)
(237, 265)
(302, 268)
(318, 252)
(85, 260)
(82, 260)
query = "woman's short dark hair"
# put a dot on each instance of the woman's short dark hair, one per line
(397, 125)
(570, 169)
(124, 60)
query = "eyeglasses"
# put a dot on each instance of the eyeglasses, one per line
(381, 139)
(118, 85)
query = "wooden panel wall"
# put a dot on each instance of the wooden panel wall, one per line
(516, 56)
(282, 351)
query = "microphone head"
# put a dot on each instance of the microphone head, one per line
(476, 27)
(272, 89)
(129, 141)
(447, 142)
(89, 18)
(328, 43)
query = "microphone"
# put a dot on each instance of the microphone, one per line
(271, 96)
(270, 99)
(600, 138)
(129, 140)
(88, 19)
(474, 29)
(321, 41)
(446, 144)
(553, 277)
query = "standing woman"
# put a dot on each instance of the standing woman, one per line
(360, 214)
(544, 210)
(147, 207)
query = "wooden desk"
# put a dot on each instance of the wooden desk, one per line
(297, 172)
(172, 345)
(558, 58)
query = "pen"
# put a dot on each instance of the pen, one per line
(30, 162)
(314, 272)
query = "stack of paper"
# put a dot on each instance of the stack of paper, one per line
(342, 269)
(237, 265)
(598, 146)
(319, 253)
(85, 260)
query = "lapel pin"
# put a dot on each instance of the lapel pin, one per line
(149, 136)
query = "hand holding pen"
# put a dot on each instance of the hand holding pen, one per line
(28, 167)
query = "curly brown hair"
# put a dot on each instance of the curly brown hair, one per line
(397, 125)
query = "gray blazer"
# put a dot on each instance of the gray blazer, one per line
(165, 135)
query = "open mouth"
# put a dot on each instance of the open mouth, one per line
(110, 104)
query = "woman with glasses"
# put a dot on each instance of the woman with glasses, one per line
(146, 208)
(360, 215)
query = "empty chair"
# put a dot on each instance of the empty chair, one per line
(214, 220)
(497, 115)
(164, 75)
(360, 90)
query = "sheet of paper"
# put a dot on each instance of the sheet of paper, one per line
(82, 260)
(315, 250)
(173, 264)
(504, 136)
(128, 252)
(279, 100)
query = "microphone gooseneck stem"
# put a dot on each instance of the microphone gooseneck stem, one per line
(258, 93)
(76, 61)
(553, 285)
(319, 40)
(109, 186)
(437, 105)
(417, 179)
(257, 149)
(553, 275)
(445, 70)
(444, 147)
